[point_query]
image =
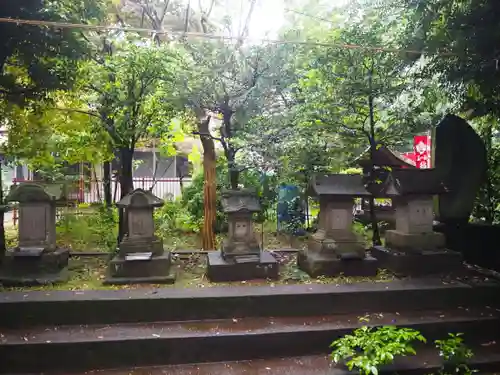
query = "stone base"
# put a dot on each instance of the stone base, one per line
(155, 270)
(431, 262)
(220, 270)
(414, 242)
(110, 280)
(46, 268)
(346, 249)
(143, 245)
(319, 264)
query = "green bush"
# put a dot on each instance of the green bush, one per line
(173, 218)
(455, 354)
(192, 195)
(369, 348)
(97, 230)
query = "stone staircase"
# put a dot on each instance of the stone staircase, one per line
(286, 329)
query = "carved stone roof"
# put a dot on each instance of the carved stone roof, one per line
(140, 198)
(33, 192)
(338, 185)
(385, 157)
(242, 200)
(413, 182)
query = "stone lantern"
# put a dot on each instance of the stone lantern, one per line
(241, 257)
(36, 259)
(141, 257)
(413, 248)
(335, 248)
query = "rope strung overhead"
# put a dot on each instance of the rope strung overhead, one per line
(65, 25)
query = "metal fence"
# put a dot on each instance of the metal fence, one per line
(92, 191)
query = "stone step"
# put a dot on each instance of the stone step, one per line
(21, 309)
(78, 348)
(486, 359)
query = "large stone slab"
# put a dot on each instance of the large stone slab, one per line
(25, 268)
(419, 264)
(223, 270)
(414, 242)
(320, 264)
(155, 270)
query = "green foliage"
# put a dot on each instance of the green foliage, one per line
(369, 348)
(134, 93)
(455, 354)
(90, 230)
(352, 171)
(192, 195)
(33, 59)
(173, 218)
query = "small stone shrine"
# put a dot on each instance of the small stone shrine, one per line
(413, 248)
(140, 258)
(335, 248)
(36, 260)
(241, 257)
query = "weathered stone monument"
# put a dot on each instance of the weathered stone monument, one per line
(241, 257)
(335, 249)
(36, 259)
(413, 248)
(140, 258)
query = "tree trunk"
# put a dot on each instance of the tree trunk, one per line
(2, 212)
(234, 177)
(106, 180)
(209, 186)
(373, 218)
(490, 204)
(126, 186)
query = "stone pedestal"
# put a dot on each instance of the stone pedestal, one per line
(143, 268)
(141, 257)
(423, 263)
(335, 249)
(37, 259)
(413, 248)
(33, 267)
(260, 266)
(240, 257)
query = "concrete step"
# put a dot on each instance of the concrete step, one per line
(21, 309)
(86, 347)
(486, 359)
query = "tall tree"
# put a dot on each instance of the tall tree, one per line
(133, 94)
(460, 42)
(35, 60)
(166, 17)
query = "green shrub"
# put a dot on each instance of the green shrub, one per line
(192, 195)
(369, 348)
(97, 230)
(173, 218)
(455, 354)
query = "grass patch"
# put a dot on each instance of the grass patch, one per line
(88, 273)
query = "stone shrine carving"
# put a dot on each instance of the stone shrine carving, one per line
(335, 242)
(141, 257)
(36, 259)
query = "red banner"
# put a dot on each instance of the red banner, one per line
(422, 149)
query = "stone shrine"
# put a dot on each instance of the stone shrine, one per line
(140, 258)
(37, 259)
(413, 248)
(335, 248)
(241, 257)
